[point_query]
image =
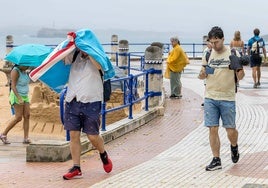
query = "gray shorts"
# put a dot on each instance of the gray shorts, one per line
(83, 117)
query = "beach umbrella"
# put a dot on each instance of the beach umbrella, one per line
(28, 54)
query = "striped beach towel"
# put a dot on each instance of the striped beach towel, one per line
(54, 73)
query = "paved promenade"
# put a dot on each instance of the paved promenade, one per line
(170, 151)
(183, 165)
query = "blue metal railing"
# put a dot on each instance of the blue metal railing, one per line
(130, 89)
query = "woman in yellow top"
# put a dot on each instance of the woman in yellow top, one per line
(176, 61)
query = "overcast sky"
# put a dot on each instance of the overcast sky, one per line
(181, 16)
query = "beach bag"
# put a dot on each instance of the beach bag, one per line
(187, 59)
(107, 88)
(167, 73)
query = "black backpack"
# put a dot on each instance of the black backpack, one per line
(107, 88)
(255, 54)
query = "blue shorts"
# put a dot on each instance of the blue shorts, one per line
(214, 110)
(83, 117)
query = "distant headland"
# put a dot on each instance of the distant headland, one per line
(52, 33)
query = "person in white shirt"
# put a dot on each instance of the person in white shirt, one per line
(82, 109)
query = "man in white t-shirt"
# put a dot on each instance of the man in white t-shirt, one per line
(82, 109)
(220, 71)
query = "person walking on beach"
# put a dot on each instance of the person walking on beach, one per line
(256, 46)
(237, 43)
(82, 109)
(176, 61)
(220, 72)
(19, 99)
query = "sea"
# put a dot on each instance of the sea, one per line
(137, 42)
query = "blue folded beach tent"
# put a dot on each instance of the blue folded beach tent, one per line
(86, 41)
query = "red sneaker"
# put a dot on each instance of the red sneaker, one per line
(73, 173)
(109, 166)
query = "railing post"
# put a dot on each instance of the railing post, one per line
(130, 97)
(62, 98)
(154, 61)
(146, 93)
(8, 65)
(116, 59)
(123, 55)
(193, 50)
(128, 63)
(9, 43)
(114, 47)
(103, 116)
